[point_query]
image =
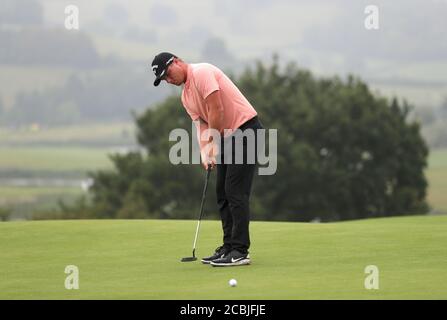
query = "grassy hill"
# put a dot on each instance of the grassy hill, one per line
(15, 79)
(140, 259)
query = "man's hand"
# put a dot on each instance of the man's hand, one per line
(209, 154)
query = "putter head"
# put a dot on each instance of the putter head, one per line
(189, 259)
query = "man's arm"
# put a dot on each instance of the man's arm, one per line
(201, 127)
(215, 121)
(215, 111)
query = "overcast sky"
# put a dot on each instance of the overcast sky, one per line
(324, 34)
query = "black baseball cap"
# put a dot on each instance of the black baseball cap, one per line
(160, 64)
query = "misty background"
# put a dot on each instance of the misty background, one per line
(50, 75)
(79, 88)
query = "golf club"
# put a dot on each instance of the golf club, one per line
(193, 258)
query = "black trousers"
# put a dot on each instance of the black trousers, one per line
(233, 188)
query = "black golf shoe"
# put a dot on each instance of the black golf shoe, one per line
(234, 258)
(219, 253)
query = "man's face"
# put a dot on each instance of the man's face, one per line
(174, 74)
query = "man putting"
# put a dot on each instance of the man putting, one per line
(214, 102)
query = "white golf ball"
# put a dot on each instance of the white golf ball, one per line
(233, 282)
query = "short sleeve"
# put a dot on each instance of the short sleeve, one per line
(205, 82)
(194, 116)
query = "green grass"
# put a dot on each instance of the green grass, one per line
(31, 194)
(50, 163)
(437, 178)
(54, 159)
(121, 133)
(139, 259)
(24, 202)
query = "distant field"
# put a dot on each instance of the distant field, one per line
(31, 194)
(126, 49)
(55, 159)
(48, 163)
(140, 259)
(71, 151)
(72, 163)
(15, 79)
(24, 201)
(121, 133)
(420, 96)
(437, 178)
(66, 152)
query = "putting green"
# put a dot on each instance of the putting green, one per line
(140, 259)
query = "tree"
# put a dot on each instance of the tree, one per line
(343, 153)
(151, 185)
(5, 214)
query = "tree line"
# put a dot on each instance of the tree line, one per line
(343, 153)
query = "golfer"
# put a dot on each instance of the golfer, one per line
(213, 102)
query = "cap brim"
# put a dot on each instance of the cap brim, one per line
(162, 73)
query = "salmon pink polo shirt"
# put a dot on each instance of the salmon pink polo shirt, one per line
(202, 80)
